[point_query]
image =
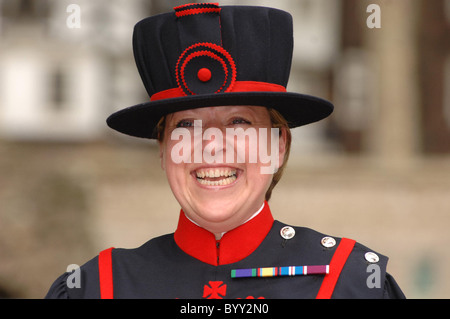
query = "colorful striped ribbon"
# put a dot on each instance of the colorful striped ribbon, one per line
(280, 271)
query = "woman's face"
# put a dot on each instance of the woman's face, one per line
(219, 191)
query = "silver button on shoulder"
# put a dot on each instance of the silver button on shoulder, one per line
(287, 232)
(372, 257)
(328, 242)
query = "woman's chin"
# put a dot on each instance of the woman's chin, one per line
(215, 210)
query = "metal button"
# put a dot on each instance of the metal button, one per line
(372, 257)
(328, 242)
(287, 232)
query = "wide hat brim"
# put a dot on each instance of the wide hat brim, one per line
(141, 120)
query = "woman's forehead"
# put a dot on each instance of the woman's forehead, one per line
(222, 110)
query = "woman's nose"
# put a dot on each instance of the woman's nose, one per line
(214, 144)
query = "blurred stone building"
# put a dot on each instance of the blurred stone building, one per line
(69, 184)
(59, 81)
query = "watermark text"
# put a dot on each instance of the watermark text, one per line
(248, 145)
(73, 20)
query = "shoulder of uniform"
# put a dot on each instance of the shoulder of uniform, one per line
(323, 241)
(364, 273)
(147, 254)
(368, 255)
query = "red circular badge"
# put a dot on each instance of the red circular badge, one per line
(205, 68)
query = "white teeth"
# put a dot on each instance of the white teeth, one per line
(221, 182)
(202, 173)
(203, 176)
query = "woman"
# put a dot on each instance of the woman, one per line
(222, 116)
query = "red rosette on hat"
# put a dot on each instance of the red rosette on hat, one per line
(205, 68)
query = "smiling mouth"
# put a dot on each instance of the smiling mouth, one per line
(216, 176)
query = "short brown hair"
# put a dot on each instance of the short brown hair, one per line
(277, 120)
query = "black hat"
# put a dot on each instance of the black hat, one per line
(204, 55)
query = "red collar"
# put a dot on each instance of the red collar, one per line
(235, 245)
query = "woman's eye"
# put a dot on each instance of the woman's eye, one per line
(185, 123)
(240, 121)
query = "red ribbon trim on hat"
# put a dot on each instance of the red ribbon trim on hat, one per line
(204, 4)
(196, 8)
(196, 11)
(239, 86)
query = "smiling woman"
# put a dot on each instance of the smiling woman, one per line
(217, 80)
(220, 204)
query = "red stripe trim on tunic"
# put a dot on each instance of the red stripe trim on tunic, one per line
(337, 263)
(105, 273)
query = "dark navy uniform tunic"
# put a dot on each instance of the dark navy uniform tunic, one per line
(192, 264)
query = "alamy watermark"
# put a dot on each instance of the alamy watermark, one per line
(373, 21)
(73, 20)
(374, 279)
(241, 146)
(74, 279)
